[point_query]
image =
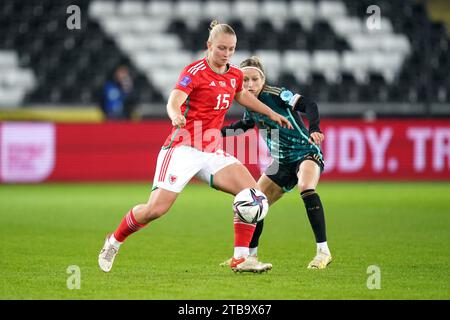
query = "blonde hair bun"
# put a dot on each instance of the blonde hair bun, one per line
(216, 28)
(213, 24)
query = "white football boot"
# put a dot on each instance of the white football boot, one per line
(320, 261)
(107, 255)
(249, 264)
(227, 263)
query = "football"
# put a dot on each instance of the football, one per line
(250, 205)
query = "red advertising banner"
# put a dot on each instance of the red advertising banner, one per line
(387, 149)
(397, 149)
(115, 151)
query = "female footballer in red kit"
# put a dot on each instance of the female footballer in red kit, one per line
(197, 106)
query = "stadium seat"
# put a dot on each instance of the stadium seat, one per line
(331, 9)
(265, 36)
(327, 40)
(298, 63)
(356, 63)
(239, 56)
(365, 42)
(15, 81)
(303, 10)
(271, 60)
(8, 59)
(294, 37)
(395, 44)
(130, 8)
(160, 8)
(188, 9)
(318, 90)
(143, 24)
(387, 64)
(246, 10)
(11, 97)
(220, 10)
(101, 9)
(327, 63)
(271, 8)
(346, 26)
(164, 80)
(349, 88)
(175, 60)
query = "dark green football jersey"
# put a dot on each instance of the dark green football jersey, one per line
(285, 145)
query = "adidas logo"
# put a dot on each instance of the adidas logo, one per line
(212, 84)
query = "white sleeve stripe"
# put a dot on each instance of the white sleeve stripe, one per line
(294, 100)
(198, 64)
(194, 70)
(196, 67)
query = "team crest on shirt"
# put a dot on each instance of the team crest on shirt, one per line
(172, 179)
(286, 95)
(233, 83)
(223, 84)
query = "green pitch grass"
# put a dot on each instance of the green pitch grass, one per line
(403, 229)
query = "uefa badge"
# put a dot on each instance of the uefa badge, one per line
(233, 83)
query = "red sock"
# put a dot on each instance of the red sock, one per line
(243, 233)
(127, 226)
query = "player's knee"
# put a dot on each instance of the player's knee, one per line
(272, 196)
(154, 211)
(303, 186)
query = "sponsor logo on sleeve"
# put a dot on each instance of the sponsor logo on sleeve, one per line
(185, 81)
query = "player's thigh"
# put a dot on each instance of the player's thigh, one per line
(308, 175)
(272, 191)
(234, 178)
(176, 167)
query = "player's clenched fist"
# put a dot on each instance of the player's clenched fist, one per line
(316, 138)
(179, 121)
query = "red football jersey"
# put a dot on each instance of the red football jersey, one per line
(210, 95)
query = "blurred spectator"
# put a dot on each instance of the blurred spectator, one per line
(117, 97)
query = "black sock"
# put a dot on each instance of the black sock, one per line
(257, 234)
(315, 213)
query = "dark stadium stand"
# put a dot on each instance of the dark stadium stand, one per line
(319, 48)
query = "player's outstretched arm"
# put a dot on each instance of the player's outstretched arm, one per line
(176, 99)
(310, 108)
(249, 101)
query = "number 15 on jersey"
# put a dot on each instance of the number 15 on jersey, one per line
(223, 101)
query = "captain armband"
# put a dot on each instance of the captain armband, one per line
(290, 98)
